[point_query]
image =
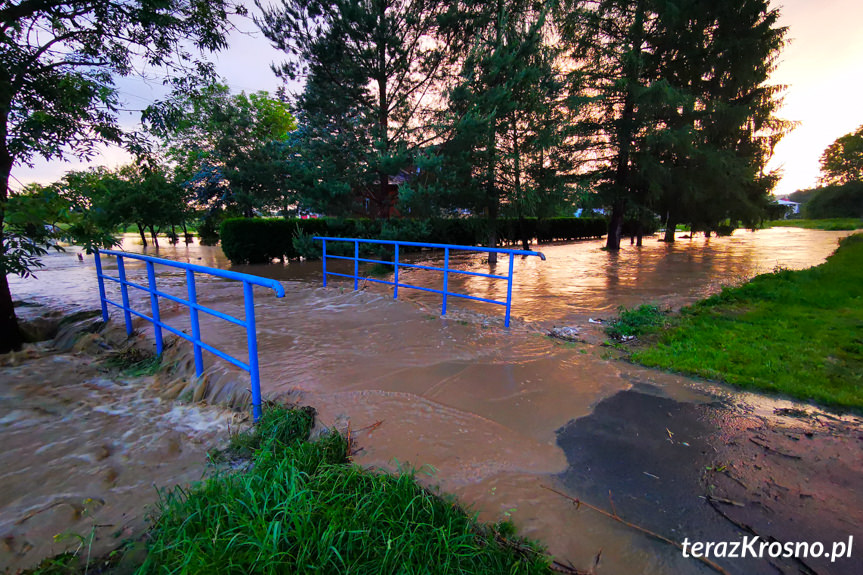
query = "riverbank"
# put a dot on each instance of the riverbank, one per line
(793, 332)
(102, 463)
(832, 224)
(86, 441)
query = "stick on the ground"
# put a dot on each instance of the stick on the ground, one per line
(579, 502)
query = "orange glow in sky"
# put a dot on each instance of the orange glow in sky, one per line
(822, 67)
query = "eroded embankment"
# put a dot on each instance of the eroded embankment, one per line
(85, 447)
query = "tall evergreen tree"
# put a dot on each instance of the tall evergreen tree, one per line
(507, 120)
(684, 122)
(371, 69)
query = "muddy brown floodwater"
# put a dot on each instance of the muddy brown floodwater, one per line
(494, 415)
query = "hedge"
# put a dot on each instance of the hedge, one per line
(263, 240)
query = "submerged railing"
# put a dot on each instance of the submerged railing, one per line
(447, 248)
(194, 307)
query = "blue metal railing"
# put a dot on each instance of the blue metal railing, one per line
(447, 248)
(194, 308)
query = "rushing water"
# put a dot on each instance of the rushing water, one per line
(476, 406)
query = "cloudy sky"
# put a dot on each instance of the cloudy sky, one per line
(822, 68)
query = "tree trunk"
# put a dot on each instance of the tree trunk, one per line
(625, 132)
(10, 335)
(615, 225)
(383, 112)
(143, 235)
(670, 228)
(153, 235)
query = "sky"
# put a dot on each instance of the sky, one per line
(822, 68)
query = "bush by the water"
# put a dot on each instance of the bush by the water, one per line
(263, 240)
(841, 201)
(640, 320)
(301, 507)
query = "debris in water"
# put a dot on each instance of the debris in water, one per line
(591, 320)
(565, 333)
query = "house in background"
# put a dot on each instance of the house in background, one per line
(791, 208)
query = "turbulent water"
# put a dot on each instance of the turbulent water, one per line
(477, 407)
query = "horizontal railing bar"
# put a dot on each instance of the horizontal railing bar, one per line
(227, 274)
(436, 246)
(420, 267)
(181, 301)
(449, 293)
(473, 297)
(433, 268)
(212, 312)
(184, 335)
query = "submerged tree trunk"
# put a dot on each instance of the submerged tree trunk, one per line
(143, 235)
(615, 225)
(10, 335)
(670, 228)
(153, 235)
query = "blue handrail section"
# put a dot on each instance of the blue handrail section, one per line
(194, 308)
(446, 269)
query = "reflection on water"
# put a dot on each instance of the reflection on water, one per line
(478, 403)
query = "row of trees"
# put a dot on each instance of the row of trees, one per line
(509, 107)
(515, 106)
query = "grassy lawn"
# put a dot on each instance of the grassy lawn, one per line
(795, 332)
(835, 224)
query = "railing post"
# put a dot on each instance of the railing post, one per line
(98, 260)
(196, 327)
(154, 304)
(509, 290)
(124, 291)
(445, 278)
(396, 275)
(252, 339)
(324, 259)
(356, 264)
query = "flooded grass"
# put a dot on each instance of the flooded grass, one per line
(302, 506)
(637, 321)
(794, 332)
(833, 224)
(134, 361)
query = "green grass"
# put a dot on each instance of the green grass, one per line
(795, 332)
(633, 322)
(834, 224)
(303, 508)
(134, 362)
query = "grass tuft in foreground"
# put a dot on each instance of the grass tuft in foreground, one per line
(794, 332)
(302, 507)
(832, 224)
